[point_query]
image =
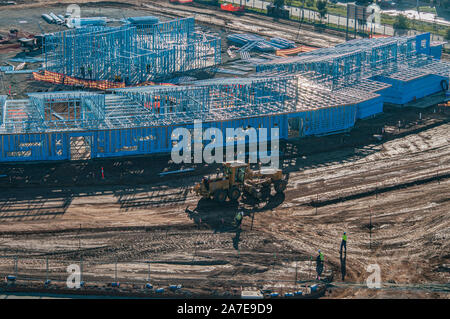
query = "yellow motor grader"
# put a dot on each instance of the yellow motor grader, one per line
(237, 178)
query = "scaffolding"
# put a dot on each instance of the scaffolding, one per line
(131, 53)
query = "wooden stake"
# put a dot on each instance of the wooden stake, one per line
(115, 271)
(317, 202)
(370, 228)
(295, 282)
(46, 268)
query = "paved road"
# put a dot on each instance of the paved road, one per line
(30, 296)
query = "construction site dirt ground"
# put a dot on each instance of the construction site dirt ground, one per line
(391, 196)
(347, 182)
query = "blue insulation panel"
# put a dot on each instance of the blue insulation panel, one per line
(423, 43)
(33, 147)
(326, 121)
(2, 108)
(150, 140)
(436, 51)
(402, 92)
(369, 108)
(120, 142)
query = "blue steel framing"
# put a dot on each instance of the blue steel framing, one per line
(349, 63)
(131, 53)
(138, 120)
(316, 94)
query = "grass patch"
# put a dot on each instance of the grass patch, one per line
(427, 9)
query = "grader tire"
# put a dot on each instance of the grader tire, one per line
(220, 196)
(280, 186)
(234, 194)
(265, 193)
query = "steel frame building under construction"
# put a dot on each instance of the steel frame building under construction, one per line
(131, 53)
(316, 93)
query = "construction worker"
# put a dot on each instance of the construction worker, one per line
(238, 218)
(90, 72)
(319, 264)
(344, 243)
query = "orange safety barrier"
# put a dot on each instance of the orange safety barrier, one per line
(153, 83)
(286, 52)
(58, 78)
(15, 113)
(376, 36)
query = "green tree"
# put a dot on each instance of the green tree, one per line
(447, 35)
(401, 22)
(445, 4)
(278, 3)
(363, 2)
(322, 8)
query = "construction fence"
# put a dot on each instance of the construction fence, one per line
(154, 276)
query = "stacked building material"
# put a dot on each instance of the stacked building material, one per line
(148, 20)
(282, 43)
(55, 18)
(5, 68)
(253, 42)
(48, 18)
(84, 22)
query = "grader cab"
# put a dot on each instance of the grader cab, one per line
(237, 178)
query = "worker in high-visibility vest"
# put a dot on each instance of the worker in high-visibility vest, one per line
(238, 218)
(319, 264)
(344, 243)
